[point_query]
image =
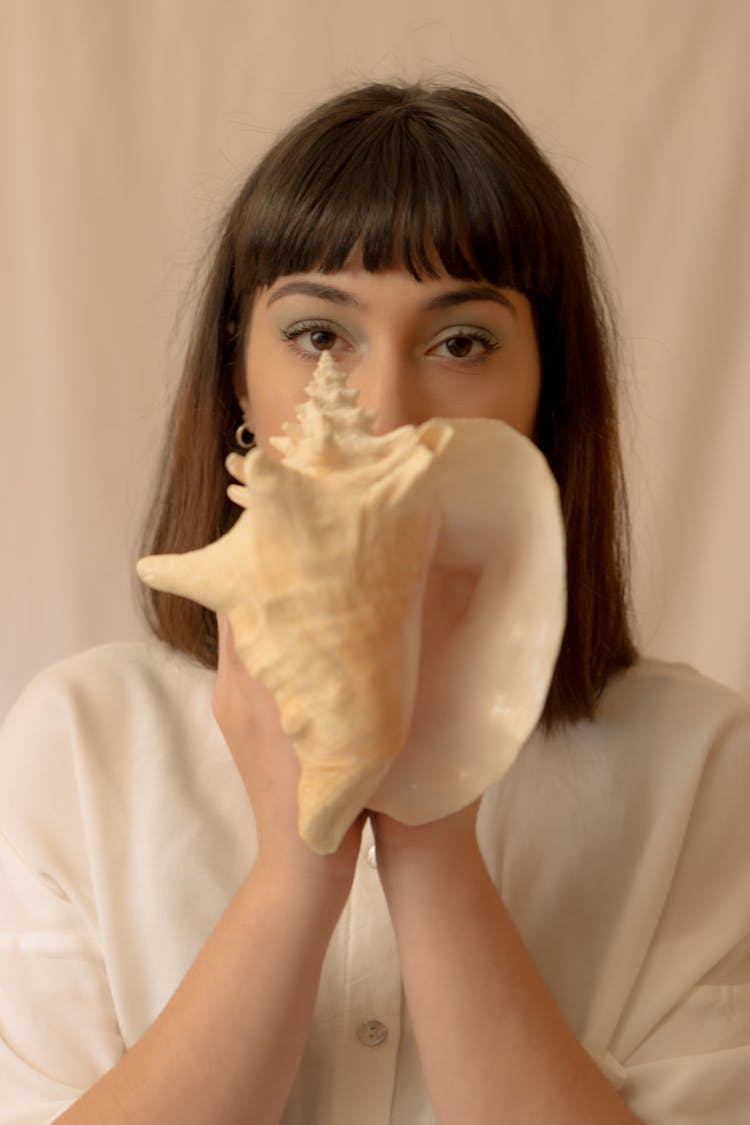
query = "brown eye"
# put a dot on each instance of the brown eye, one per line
(322, 339)
(459, 346)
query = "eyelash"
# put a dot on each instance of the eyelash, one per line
(292, 334)
(303, 327)
(489, 343)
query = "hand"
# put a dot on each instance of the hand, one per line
(249, 720)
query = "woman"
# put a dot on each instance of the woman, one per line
(572, 948)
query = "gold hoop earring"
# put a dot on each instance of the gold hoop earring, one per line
(244, 436)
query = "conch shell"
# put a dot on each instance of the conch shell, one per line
(323, 580)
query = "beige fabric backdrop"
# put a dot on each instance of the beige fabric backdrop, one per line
(126, 124)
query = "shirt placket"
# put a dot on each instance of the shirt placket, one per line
(368, 1020)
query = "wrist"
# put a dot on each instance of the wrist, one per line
(435, 852)
(305, 901)
(285, 862)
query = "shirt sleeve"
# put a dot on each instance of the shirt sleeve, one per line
(683, 1050)
(710, 1081)
(58, 1028)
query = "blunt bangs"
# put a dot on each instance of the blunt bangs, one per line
(385, 185)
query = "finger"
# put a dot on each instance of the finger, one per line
(224, 635)
(228, 657)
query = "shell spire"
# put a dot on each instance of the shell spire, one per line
(331, 429)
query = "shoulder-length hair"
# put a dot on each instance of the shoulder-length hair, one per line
(406, 174)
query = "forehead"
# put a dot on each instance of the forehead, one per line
(357, 288)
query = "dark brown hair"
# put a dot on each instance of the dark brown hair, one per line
(407, 174)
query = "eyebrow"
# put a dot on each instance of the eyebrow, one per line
(470, 293)
(314, 289)
(447, 300)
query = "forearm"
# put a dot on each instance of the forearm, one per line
(493, 1044)
(227, 1046)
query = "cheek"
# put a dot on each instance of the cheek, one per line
(519, 403)
(529, 392)
(527, 384)
(270, 401)
(263, 398)
(267, 414)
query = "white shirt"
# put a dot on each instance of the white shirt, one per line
(621, 847)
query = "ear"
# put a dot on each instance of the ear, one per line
(239, 384)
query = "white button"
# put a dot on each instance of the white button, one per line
(372, 856)
(371, 1033)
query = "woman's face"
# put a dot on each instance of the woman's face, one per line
(438, 348)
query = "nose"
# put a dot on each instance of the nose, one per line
(384, 388)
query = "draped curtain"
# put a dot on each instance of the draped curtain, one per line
(127, 125)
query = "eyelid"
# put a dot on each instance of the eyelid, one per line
(312, 324)
(461, 328)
